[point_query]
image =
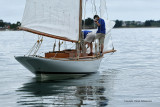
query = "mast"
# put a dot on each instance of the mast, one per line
(80, 19)
(80, 29)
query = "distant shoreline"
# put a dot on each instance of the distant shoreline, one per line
(89, 24)
(92, 28)
(9, 30)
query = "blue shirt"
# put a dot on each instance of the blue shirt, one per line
(85, 32)
(102, 27)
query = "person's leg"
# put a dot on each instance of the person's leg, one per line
(89, 39)
(99, 44)
(98, 35)
(101, 40)
(102, 47)
(91, 48)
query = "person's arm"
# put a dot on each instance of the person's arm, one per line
(97, 23)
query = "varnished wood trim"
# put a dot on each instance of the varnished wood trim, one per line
(46, 34)
(109, 51)
(74, 59)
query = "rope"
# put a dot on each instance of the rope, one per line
(112, 42)
(36, 46)
(72, 46)
(38, 42)
(55, 55)
(109, 56)
(31, 50)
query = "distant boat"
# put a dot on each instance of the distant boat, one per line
(60, 20)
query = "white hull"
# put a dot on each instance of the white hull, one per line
(39, 65)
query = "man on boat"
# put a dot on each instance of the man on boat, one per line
(101, 32)
(89, 37)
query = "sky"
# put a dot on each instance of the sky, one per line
(128, 10)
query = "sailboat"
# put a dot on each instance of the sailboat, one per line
(60, 20)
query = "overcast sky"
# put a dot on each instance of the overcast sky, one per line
(12, 10)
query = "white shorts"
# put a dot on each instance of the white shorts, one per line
(90, 37)
(100, 37)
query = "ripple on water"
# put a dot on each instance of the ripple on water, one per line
(130, 74)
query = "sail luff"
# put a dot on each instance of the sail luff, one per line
(46, 34)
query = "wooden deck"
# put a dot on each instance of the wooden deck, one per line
(71, 54)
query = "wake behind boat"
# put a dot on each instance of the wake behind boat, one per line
(54, 19)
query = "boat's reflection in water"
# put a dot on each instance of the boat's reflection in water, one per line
(89, 90)
(58, 77)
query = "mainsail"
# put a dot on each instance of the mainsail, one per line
(56, 17)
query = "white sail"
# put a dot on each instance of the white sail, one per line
(108, 45)
(103, 9)
(57, 17)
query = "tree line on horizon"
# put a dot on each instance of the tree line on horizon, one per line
(8, 25)
(89, 24)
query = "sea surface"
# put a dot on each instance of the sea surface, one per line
(128, 78)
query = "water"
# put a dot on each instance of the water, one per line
(128, 78)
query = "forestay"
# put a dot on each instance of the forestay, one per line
(57, 17)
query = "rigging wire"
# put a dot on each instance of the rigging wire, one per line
(23, 39)
(36, 46)
(112, 42)
(95, 8)
(85, 13)
(103, 2)
(72, 46)
(106, 9)
(65, 45)
(100, 8)
(39, 45)
(92, 7)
